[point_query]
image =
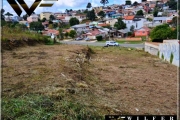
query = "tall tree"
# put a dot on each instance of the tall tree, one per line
(91, 15)
(101, 14)
(140, 12)
(135, 3)
(73, 21)
(51, 17)
(25, 16)
(128, 2)
(104, 2)
(155, 12)
(44, 19)
(2, 14)
(67, 11)
(61, 35)
(89, 5)
(132, 28)
(120, 24)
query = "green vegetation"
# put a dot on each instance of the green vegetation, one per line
(120, 24)
(39, 107)
(99, 38)
(158, 54)
(91, 15)
(140, 12)
(36, 26)
(171, 58)
(162, 32)
(162, 56)
(101, 14)
(72, 33)
(73, 21)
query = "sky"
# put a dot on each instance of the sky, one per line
(61, 5)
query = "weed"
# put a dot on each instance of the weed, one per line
(171, 58)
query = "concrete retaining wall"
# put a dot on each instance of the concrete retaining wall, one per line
(168, 50)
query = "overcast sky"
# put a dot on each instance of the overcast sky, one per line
(61, 5)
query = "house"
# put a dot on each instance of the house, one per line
(116, 15)
(45, 15)
(136, 21)
(81, 27)
(32, 18)
(159, 19)
(45, 24)
(122, 33)
(50, 32)
(144, 31)
(111, 22)
(93, 33)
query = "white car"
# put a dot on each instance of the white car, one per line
(78, 38)
(112, 43)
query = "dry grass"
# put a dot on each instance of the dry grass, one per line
(112, 81)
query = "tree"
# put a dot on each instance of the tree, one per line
(104, 2)
(161, 32)
(132, 28)
(88, 5)
(140, 12)
(8, 14)
(135, 3)
(36, 26)
(174, 21)
(44, 19)
(172, 4)
(91, 15)
(101, 14)
(25, 16)
(120, 24)
(128, 2)
(67, 11)
(72, 33)
(50, 26)
(51, 17)
(86, 11)
(73, 21)
(155, 13)
(2, 14)
(55, 25)
(61, 34)
(66, 34)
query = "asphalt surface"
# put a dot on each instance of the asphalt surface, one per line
(102, 44)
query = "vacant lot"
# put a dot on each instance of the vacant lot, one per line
(63, 82)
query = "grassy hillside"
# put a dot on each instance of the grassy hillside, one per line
(16, 37)
(71, 82)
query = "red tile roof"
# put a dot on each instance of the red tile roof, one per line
(52, 31)
(61, 17)
(103, 24)
(129, 17)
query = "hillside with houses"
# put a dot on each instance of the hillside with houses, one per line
(112, 21)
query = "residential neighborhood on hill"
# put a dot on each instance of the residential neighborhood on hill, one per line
(136, 16)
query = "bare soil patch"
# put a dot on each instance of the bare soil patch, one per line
(104, 80)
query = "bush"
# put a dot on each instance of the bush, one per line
(171, 58)
(99, 38)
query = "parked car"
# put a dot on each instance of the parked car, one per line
(112, 43)
(79, 38)
(87, 39)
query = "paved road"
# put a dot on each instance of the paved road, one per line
(102, 44)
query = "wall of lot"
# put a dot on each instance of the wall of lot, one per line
(168, 50)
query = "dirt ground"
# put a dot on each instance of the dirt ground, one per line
(119, 81)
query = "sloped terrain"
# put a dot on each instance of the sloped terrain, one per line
(63, 82)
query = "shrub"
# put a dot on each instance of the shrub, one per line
(162, 56)
(99, 38)
(171, 58)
